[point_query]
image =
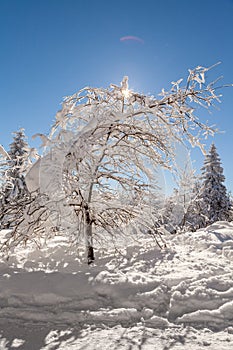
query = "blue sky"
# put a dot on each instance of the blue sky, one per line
(52, 48)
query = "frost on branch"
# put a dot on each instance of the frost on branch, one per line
(99, 166)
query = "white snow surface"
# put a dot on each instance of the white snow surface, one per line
(135, 296)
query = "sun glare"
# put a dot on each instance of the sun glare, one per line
(126, 93)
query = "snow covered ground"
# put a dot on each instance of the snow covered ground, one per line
(134, 297)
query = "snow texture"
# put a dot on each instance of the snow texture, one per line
(137, 297)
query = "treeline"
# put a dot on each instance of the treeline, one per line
(198, 201)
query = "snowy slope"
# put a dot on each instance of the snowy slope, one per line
(139, 297)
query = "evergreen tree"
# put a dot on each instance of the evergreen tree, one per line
(213, 199)
(13, 187)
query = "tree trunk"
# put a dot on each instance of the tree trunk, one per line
(90, 254)
(88, 238)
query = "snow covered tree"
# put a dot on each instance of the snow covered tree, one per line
(185, 178)
(213, 197)
(231, 204)
(169, 218)
(182, 208)
(98, 169)
(194, 216)
(13, 167)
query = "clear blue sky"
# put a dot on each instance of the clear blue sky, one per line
(52, 48)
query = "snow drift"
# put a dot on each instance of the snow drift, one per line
(187, 286)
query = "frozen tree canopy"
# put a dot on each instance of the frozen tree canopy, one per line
(100, 159)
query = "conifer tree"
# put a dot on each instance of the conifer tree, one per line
(13, 187)
(214, 200)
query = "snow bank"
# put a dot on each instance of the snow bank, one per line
(190, 283)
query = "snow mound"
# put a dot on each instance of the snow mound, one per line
(216, 237)
(188, 284)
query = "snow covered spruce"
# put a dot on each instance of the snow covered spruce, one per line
(13, 166)
(97, 176)
(215, 201)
